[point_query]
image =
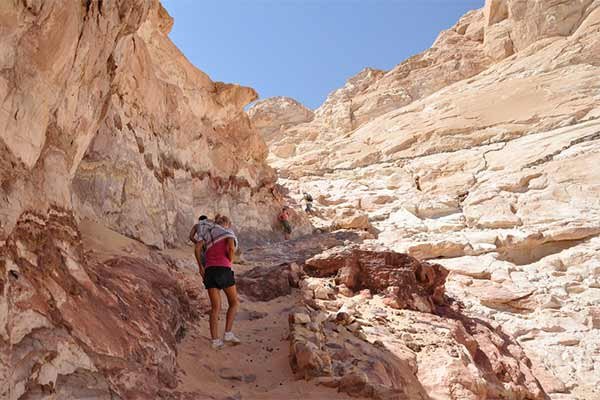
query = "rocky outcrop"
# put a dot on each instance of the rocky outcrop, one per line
(274, 115)
(488, 175)
(73, 327)
(358, 344)
(457, 54)
(468, 65)
(407, 283)
(268, 283)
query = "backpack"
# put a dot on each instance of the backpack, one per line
(308, 197)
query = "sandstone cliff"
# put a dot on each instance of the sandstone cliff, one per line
(274, 115)
(104, 120)
(480, 152)
(104, 115)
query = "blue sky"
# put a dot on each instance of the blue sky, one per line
(305, 48)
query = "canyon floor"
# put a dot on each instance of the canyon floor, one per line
(306, 335)
(259, 367)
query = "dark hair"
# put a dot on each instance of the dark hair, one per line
(202, 218)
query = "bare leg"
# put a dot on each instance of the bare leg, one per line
(215, 308)
(232, 300)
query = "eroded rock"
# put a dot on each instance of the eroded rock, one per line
(79, 327)
(408, 282)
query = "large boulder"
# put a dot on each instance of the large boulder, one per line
(268, 283)
(407, 282)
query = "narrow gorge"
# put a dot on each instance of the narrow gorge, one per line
(453, 250)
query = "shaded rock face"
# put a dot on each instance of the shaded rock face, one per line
(104, 115)
(489, 175)
(73, 328)
(357, 343)
(268, 283)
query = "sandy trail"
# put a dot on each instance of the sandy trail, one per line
(256, 369)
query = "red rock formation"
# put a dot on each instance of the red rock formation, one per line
(77, 327)
(268, 283)
(407, 282)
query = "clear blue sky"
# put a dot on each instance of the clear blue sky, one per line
(305, 48)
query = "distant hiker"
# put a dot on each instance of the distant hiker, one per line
(309, 202)
(284, 218)
(216, 272)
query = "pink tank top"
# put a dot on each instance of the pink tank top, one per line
(216, 256)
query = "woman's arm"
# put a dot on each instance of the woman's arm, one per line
(193, 234)
(230, 249)
(198, 254)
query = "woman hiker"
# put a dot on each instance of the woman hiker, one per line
(215, 268)
(284, 218)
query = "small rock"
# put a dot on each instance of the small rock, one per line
(345, 291)
(353, 382)
(321, 317)
(353, 327)
(301, 318)
(230, 374)
(324, 292)
(328, 381)
(569, 342)
(296, 268)
(392, 302)
(313, 326)
(343, 318)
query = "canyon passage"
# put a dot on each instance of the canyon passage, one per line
(451, 250)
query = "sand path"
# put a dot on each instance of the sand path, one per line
(256, 369)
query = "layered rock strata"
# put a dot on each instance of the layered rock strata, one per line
(274, 115)
(74, 327)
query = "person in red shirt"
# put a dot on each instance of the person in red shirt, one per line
(284, 218)
(217, 275)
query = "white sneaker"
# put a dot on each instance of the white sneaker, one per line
(217, 344)
(231, 338)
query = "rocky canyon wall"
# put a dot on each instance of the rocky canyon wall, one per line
(479, 153)
(102, 114)
(103, 119)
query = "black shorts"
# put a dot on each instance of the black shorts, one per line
(218, 277)
(287, 228)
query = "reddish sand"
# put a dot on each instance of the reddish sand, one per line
(256, 369)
